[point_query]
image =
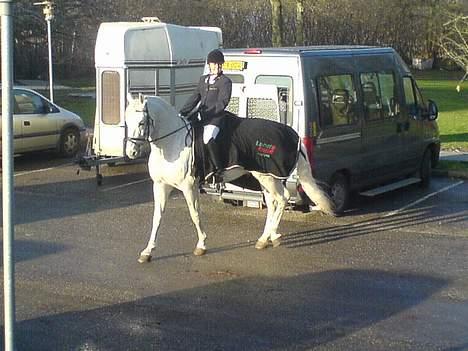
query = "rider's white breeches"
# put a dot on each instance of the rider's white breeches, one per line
(210, 132)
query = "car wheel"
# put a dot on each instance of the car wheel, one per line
(69, 142)
(339, 192)
(425, 170)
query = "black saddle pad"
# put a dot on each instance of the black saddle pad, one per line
(252, 143)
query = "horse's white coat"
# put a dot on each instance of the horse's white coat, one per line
(171, 165)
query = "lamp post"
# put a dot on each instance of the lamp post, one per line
(48, 11)
(8, 196)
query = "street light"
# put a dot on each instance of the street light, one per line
(48, 11)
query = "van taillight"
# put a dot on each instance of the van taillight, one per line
(253, 51)
(309, 146)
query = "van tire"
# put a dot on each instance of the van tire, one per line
(425, 170)
(69, 142)
(339, 192)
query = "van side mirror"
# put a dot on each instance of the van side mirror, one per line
(432, 110)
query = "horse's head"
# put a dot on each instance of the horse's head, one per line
(138, 126)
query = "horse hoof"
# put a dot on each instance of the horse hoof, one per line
(276, 242)
(199, 252)
(144, 258)
(260, 245)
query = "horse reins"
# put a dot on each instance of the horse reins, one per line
(149, 121)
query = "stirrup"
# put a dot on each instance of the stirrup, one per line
(217, 178)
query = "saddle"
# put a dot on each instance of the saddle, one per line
(254, 144)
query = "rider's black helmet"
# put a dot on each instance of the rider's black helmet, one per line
(215, 56)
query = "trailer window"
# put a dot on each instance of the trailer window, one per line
(337, 100)
(285, 95)
(110, 97)
(378, 95)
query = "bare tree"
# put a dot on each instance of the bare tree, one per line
(454, 42)
(276, 23)
(299, 22)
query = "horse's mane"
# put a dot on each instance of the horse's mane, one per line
(159, 106)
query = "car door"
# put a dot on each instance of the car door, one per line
(17, 141)
(36, 129)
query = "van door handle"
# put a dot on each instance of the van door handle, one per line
(26, 123)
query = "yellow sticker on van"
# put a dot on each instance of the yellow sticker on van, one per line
(234, 65)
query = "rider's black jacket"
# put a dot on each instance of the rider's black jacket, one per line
(214, 99)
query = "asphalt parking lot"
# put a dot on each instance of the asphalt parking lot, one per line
(389, 275)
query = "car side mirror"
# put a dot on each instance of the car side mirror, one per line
(433, 111)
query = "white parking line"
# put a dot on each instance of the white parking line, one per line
(125, 185)
(41, 170)
(423, 199)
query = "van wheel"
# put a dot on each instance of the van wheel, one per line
(339, 192)
(69, 142)
(425, 170)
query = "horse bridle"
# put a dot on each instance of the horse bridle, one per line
(148, 123)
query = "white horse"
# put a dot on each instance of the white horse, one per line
(171, 165)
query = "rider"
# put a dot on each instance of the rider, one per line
(214, 93)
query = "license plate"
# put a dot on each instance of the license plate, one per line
(234, 65)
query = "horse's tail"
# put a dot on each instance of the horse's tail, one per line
(310, 186)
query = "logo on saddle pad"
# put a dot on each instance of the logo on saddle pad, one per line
(264, 149)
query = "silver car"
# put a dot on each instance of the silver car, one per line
(40, 125)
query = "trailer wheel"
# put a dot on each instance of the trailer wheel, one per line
(69, 142)
(339, 192)
(99, 179)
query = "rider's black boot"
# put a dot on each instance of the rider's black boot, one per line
(213, 153)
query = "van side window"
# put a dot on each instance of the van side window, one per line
(110, 97)
(410, 98)
(378, 95)
(337, 99)
(285, 96)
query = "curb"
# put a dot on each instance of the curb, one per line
(450, 173)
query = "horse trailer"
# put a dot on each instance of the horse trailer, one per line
(358, 109)
(148, 57)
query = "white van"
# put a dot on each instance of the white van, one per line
(358, 110)
(150, 58)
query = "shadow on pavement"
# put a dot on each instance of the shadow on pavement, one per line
(405, 219)
(62, 199)
(239, 314)
(31, 249)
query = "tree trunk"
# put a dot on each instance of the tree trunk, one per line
(276, 23)
(299, 22)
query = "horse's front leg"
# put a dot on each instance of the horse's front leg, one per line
(192, 197)
(161, 193)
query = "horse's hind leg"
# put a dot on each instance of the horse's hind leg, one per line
(161, 193)
(313, 191)
(276, 197)
(193, 203)
(262, 242)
